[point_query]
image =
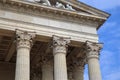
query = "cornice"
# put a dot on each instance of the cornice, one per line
(52, 10)
(88, 8)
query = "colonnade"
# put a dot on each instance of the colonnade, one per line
(24, 42)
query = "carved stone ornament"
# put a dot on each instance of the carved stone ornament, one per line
(79, 64)
(93, 49)
(46, 60)
(59, 5)
(44, 2)
(24, 38)
(69, 7)
(60, 44)
(60, 41)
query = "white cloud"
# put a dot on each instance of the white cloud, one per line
(86, 73)
(110, 66)
(108, 26)
(113, 75)
(106, 61)
(86, 77)
(103, 4)
(109, 69)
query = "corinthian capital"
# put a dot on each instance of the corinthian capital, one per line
(93, 49)
(24, 38)
(79, 63)
(60, 44)
(60, 41)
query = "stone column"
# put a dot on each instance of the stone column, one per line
(93, 60)
(59, 51)
(70, 75)
(36, 76)
(24, 41)
(78, 73)
(35, 73)
(78, 70)
(70, 72)
(47, 70)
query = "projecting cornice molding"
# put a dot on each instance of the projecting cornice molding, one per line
(36, 7)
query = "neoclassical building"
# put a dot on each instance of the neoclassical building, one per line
(49, 40)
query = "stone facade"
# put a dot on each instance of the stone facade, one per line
(49, 40)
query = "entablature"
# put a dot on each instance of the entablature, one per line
(49, 31)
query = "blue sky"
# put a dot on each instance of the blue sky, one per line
(109, 34)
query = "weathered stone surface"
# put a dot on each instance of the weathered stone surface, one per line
(24, 42)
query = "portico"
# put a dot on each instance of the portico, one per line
(49, 40)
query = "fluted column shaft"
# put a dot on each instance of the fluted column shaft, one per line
(78, 69)
(78, 73)
(24, 41)
(70, 75)
(59, 52)
(47, 71)
(93, 61)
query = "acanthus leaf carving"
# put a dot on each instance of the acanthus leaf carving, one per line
(60, 41)
(79, 62)
(93, 49)
(60, 44)
(24, 38)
